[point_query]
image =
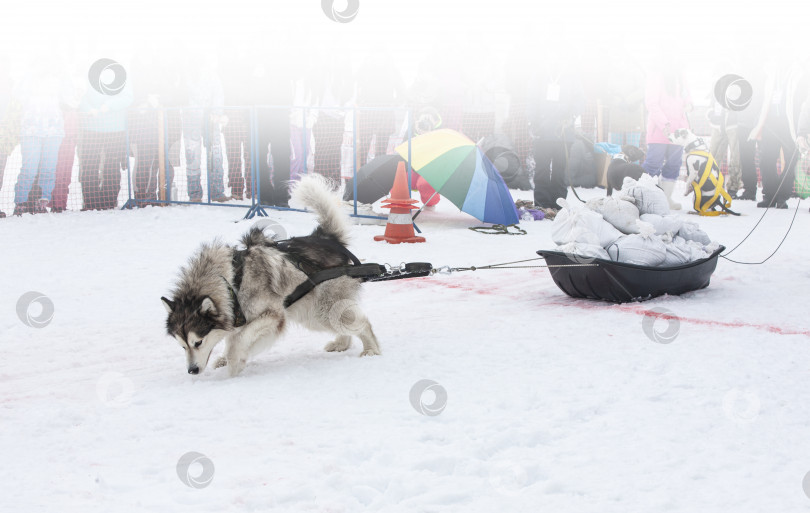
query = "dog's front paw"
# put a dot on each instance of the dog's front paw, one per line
(341, 344)
(235, 367)
(220, 362)
(371, 352)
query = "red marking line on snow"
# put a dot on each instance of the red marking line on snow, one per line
(640, 310)
(635, 308)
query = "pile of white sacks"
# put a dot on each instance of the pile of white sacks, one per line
(633, 226)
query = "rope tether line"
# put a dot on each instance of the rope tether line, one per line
(505, 265)
(796, 211)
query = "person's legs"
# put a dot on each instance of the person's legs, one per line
(47, 166)
(656, 156)
(89, 158)
(215, 177)
(266, 118)
(784, 187)
(3, 160)
(769, 153)
(365, 132)
(31, 148)
(234, 132)
(193, 147)
(719, 145)
(559, 164)
(383, 129)
(64, 163)
(735, 182)
(144, 134)
(426, 193)
(174, 122)
(543, 196)
(280, 151)
(748, 165)
(672, 163)
(114, 159)
(670, 171)
(328, 132)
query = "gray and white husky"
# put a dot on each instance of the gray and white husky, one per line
(209, 297)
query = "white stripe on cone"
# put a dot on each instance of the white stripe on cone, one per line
(399, 218)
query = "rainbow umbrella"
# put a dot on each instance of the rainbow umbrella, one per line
(458, 170)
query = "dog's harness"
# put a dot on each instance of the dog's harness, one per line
(706, 205)
(238, 272)
(317, 275)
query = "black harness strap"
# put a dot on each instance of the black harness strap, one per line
(238, 262)
(362, 271)
(315, 276)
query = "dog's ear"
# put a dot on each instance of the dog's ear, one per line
(207, 306)
(169, 304)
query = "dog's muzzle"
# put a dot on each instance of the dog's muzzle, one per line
(194, 370)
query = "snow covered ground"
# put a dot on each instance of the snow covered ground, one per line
(553, 404)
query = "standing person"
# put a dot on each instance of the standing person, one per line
(332, 94)
(42, 129)
(668, 100)
(379, 87)
(803, 127)
(725, 141)
(625, 102)
(776, 132)
(9, 121)
(102, 126)
(270, 89)
(67, 149)
(746, 121)
(155, 85)
(555, 98)
(236, 70)
(201, 128)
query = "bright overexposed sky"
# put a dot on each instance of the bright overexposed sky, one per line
(706, 34)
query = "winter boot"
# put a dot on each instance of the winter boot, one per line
(669, 188)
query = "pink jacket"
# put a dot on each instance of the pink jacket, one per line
(663, 108)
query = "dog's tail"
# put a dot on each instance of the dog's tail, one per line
(314, 191)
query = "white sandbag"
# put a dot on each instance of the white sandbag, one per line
(695, 250)
(623, 215)
(670, 224)
(677, 253)
(596, 204)
(579, 224)
(649, 198)
(584, 250)
(691, 231)
(711, 247)
(644, 248)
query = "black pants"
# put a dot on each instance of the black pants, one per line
(274, 128)
(776, 136)
(748, 162)
(237, 135)
(549, 173)
(101, 192)
(143, 132)
(328, 135)
(369, 124)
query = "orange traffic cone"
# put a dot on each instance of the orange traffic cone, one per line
(400, 225)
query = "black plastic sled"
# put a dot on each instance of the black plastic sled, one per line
(622, 283)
